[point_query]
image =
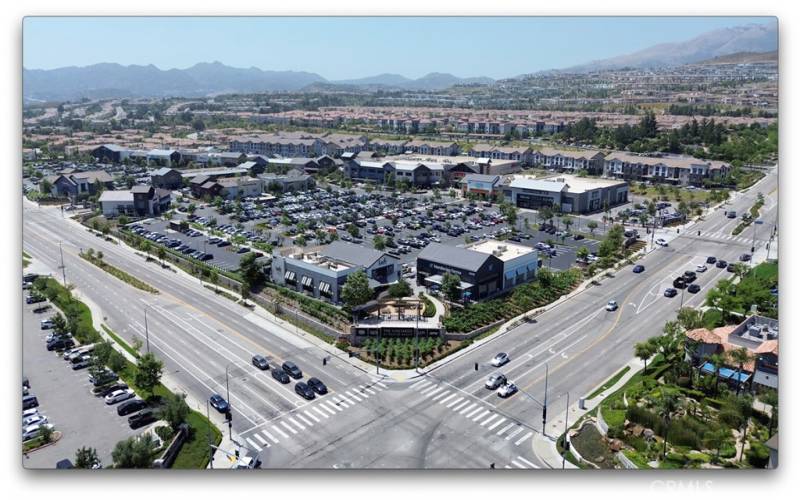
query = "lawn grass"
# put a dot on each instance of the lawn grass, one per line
(194, 453)
(121, 342)
(609, 383)
(119, 274)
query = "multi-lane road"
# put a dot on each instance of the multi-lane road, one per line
(443, 418)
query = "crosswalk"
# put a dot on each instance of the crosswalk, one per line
(521, 463)
(474, 410)
(292, 424)
(727, 236)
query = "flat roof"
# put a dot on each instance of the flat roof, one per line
(503, 250)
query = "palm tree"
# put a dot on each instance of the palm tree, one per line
(739, 357)
(666, 409)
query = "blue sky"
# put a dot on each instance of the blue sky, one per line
(350, 47)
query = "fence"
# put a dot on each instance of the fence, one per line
(168, 457)
(625, 461)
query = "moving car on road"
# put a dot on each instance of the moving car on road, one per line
(745, 257)
(219, 403)
(701, 268)
(638, 268)
(317, 386)
(280, 375)
(670, 292)
(693, 288)
(304, 390)
(495, 380)
(711, 260)
(292, 370)
(500, 359)
(260, 362)
(612, 305)
(506, 390)
(662, 242)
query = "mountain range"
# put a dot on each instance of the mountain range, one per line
(115, 80)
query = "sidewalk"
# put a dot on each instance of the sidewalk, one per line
(544, 447)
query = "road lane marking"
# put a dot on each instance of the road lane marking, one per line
(420, 384)
(291, 429)
(270, 436)
(312, 416)
(440, 395)
(504, 429)
(320, 412)
(492, 417)
(428, 391)
(451, 396)
(353, 396)
(453, 402)
(295, 422)
(473, 412)
(481, 415)
(528, 462)
(280, 431)
(304, 419)
(463, 404)
(253, 444)
(512, 434)
(261, 440)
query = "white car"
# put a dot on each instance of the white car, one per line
(612, 305)
(29, 413)
(33, 431)
(500, 359)
(33, 419)
(662, 242)
(119, 395)
(701, 268)
(495, 380)
(506, 390)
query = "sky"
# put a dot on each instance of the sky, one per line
(353, 47)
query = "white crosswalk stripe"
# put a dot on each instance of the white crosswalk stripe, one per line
(270, 436)
(467, 408)
(451, 396)
(333, 405)
(519, 465)
(353, 396)
(461, 405)
(523, 438)
(311, 416)
(253, 444)
(502, 419)
(295, 422)
(430, 391)
(340, 401)
(473, 412)
(304, 419)
(291, 429)
(261, 440)
(527, 462)
(454, 402)
(419, 385)
(381, 385)
(512, 434)
(494, 416)
(280, 431)
(322, 413)
(440, 395)
(366, 389)
(504, 429)
(480, 415)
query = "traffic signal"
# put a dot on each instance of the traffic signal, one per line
(228, 416)
(236, 451)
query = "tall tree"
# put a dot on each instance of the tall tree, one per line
(739, 357)
(86, 458)
(451, 286)
(174, 410)
(148, 372)
(136, 452)
(356, 290)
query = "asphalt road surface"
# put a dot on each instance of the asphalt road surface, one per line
(442, 419)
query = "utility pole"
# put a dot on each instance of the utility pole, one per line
(63, 268)
(544, 406)
(210, 446)
(566, 428)
(416, 341)
(682, 290)
(228, 399)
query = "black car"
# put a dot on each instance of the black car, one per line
(280, 376)
(731, 267)
(292, 370)
(679, 282)
(711, 260)
(670, 292)
(693, 288)
(219, 403)
(577, 237)
(745, 257)
(60, 343)
(260, 362)
(722, 264)
(638, 268)
(317, 385)
(130, 406)
(304, 390)
(144, 417)
(689, 276)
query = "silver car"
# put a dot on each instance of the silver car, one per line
(495, 380)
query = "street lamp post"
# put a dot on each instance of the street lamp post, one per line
(228, 399)
(566, 428)
(544, 406)
(682, 290)
(416, 341)
(210, 446)
(63, 268)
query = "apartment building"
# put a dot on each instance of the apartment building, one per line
(565, 160)
(682, 171)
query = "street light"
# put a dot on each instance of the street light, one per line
(228, 399)
(146, 331)
(566, 441)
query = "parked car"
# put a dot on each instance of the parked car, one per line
(82, 362)
(33, 420)
(495, 380)
(33, 431)
(29, 402)
(60, 343)
(731, 267)
(280, 375)
(506, 390)
(612, 305)
(679, 282)
(670, 292)
(304, 390)
(130, 406)
(219, 403)
(689, 276)
(46, 324)
(144, 417)
(317, 386)
(292, 369)
(638, 268)
(500, 359)
(260, 362)
(119, 395)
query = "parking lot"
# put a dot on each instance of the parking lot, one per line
(64, 398)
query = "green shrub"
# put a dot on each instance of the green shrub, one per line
(757, 455)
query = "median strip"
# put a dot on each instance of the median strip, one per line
(97, 260)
